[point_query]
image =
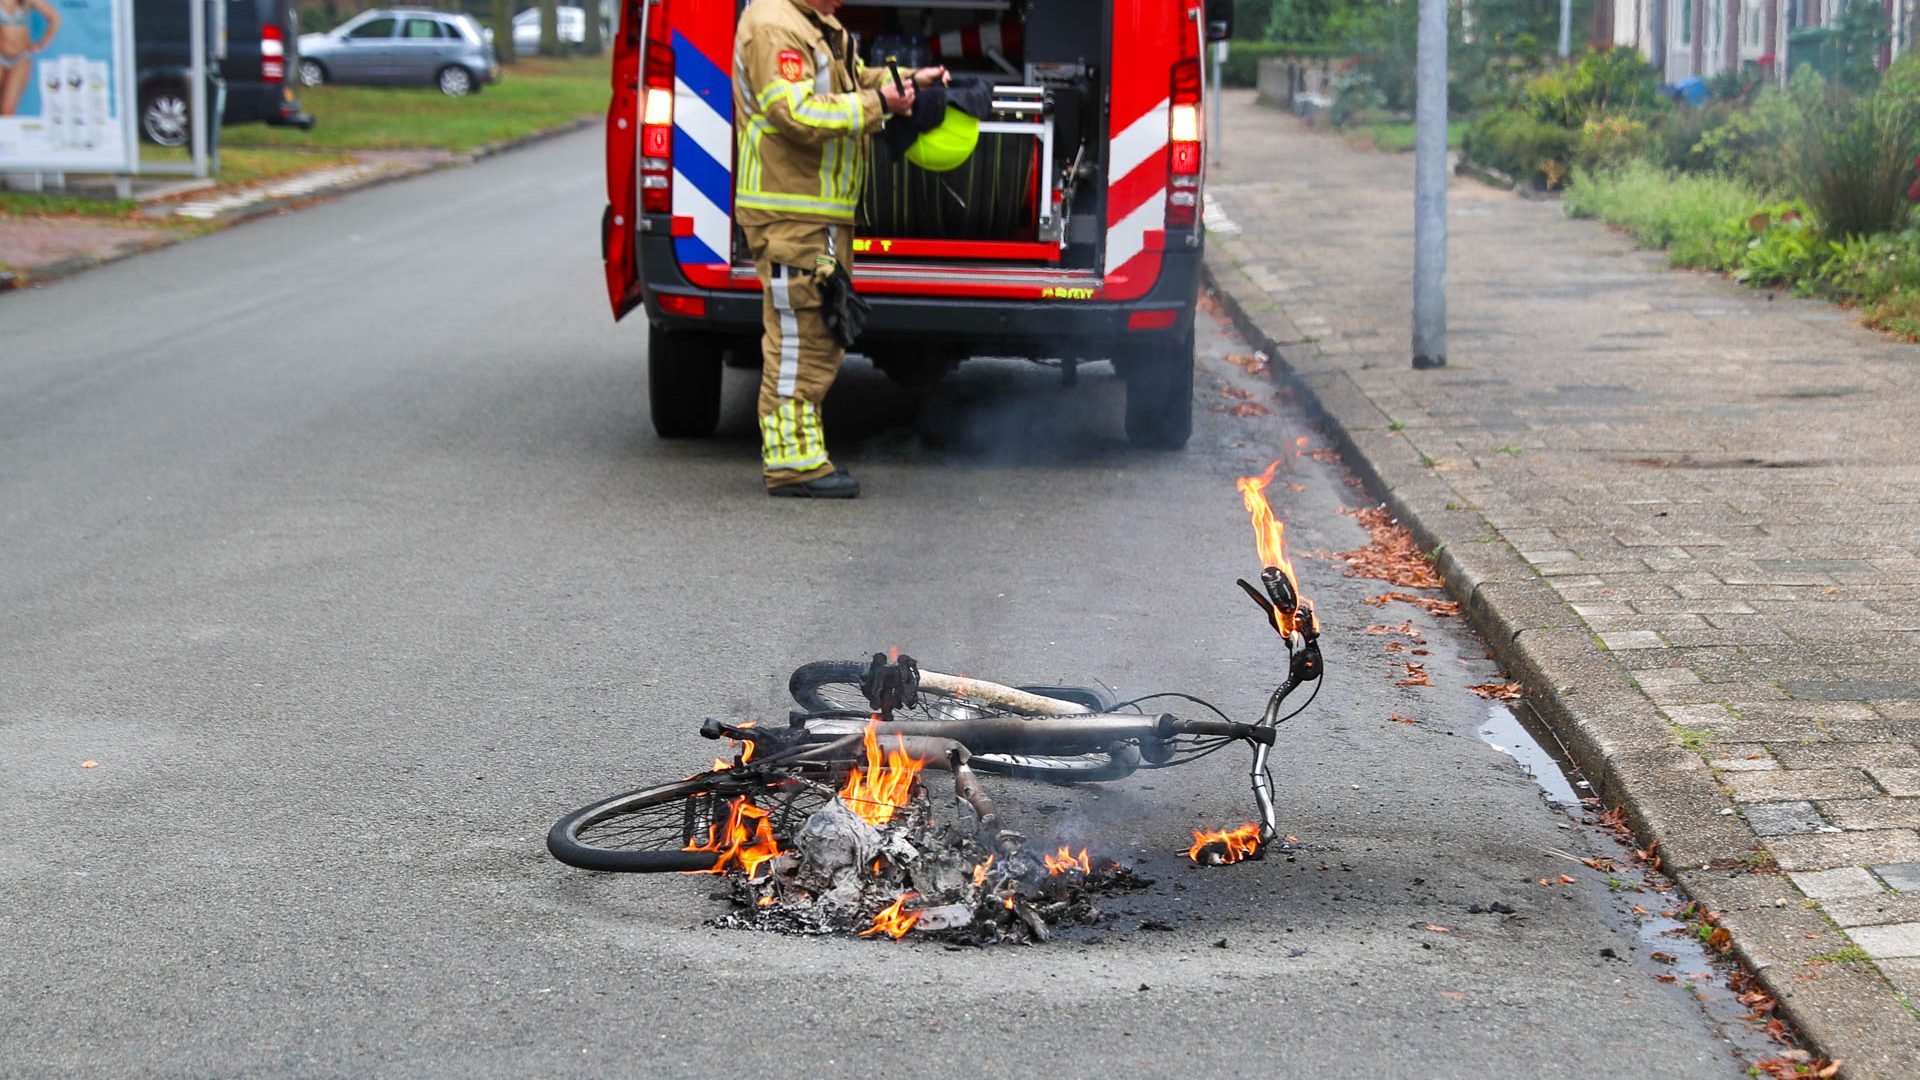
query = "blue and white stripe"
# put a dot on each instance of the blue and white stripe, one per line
(702, 154)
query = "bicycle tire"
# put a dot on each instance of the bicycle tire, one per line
(647, 831)
(835, 684)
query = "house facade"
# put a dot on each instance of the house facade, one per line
(1685, 38)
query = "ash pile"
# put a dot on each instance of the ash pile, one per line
(882, 869)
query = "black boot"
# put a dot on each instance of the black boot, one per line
(838, 484)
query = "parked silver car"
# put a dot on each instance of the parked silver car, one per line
(401, 45)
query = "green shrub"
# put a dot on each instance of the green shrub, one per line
(1748, 144)
(1604, 81)
(1700, 220)
(1610, 142)
(1851, 157)
(1521, 145)
(1786, 248)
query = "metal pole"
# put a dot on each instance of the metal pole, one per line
(1430, 189)
(197, 90)
(1566, 28)
(1657, 40)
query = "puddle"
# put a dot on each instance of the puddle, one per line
(1640, 906)
(1505, 732)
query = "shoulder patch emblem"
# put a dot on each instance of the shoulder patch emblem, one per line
(792, 67)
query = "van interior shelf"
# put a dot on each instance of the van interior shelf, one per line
(949, 5)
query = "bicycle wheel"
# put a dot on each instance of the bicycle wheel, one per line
(835, 684)
(658, 829)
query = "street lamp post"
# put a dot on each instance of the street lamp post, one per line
(1430, 189)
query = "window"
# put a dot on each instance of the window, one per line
(374, 28)
(421, 28)
(1686, 22)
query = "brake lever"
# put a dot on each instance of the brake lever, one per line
(1266, 605)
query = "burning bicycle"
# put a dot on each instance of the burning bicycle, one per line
(827, 822)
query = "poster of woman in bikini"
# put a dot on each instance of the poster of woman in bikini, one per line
(18, 43)
(62, 107)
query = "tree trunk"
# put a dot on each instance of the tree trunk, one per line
(593, 46)
(549, 27)
(503, 32)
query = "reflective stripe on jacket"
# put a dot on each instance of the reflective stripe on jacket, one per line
(801, 117)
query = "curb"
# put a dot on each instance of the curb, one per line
(1621, 741)
(25, 279)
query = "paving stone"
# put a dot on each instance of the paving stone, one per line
(1872, 910)
(1632, 639)
(1824, 851)
(1828, 755)
(1876, 813)
(1903, 973)
(1844, 881)
(1784, 818)
(1901, 782)
(1789, 784)
(1891, 940)
(1742, 757)
(1902, 876)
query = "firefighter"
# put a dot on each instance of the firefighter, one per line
(804, 107)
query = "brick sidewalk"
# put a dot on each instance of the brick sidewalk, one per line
(1686, 512)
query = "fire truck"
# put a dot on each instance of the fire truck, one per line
(1072, 234)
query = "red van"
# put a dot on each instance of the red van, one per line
(1073, 233)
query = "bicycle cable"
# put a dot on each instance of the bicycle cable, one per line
(1177, 694)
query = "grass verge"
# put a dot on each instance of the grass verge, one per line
(535, 94)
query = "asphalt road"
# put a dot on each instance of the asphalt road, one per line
(340, 542)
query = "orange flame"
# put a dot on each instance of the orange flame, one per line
(1230, 846)
(892, 921)
(745, 841)
(1269, 535)
(886, 784)
(980, 872)
(1066, 861)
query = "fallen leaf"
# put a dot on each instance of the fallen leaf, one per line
(1663, 958)
(1497, 691)
(1255, 364)
(1438, 929)
(1566, 879)
(89, 764)
(1453, 995)
(1721, 939)
(1391, 555)
(1667, 978)
(1398, 719)
(1433, 606)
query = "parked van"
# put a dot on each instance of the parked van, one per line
(1072, 233)
(261, 50)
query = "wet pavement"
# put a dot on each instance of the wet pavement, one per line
(343, 623)
(1685, 507)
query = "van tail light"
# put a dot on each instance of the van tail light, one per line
(273, 54)
(656, 115)
(1183, 159)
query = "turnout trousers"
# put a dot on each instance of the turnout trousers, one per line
(799, 355)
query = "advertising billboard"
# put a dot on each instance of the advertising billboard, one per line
(64, 102)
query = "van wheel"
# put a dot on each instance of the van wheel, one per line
(1160, 396)
(454, 81)
(312, 73)
(165, 116)
(683, 383)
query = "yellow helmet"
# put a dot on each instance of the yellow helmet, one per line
(947, 146)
